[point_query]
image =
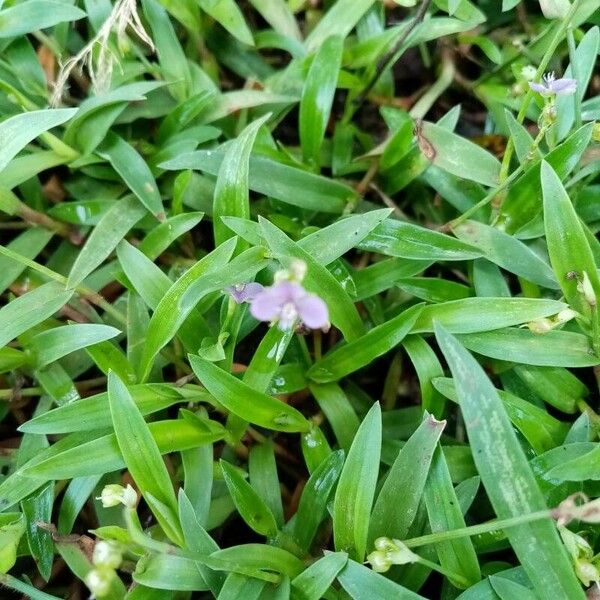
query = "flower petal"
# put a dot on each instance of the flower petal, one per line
(251, 290)
(244, 292)
(564, 86)
(313, 311)
(266, 305)
(540, 88)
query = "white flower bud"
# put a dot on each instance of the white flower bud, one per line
(107, 554)
(540, 326)
(402, 555)
(586, 572)
(566, 315)
(585, 287)
(528, 72)
(379, 561)
(99, 581)
(298, 270)
(115, 494)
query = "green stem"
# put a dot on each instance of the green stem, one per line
(83, 291)
(558, 37)
(574, 74)
(484, 201)
(454, 534)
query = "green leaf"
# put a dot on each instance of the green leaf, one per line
(29, 244)
(256, 558)
(312, 507)
(570, 253)
(506, 476)
(444, 512)
(329, 243)
(339, 412)
(249, 504)
(278, 14)
(231, 190)
(275, 180)
(228, 14)
(262, 468)
(38, 509)
(33, 15)
(552, 349)
(198, 541)
(91, 413)
(10, 534)
(471, 315)
(339, 20)
(360, 352)
(247, 403)
(104, 238)
(169, 572)
(356, 487)
(405, 240)
(30, 309)
(360, 583)
(142, 456)
(134, 171)
(96, 114)
(53, 344)
(539, 428)
(457, 155)
(83, 458)
(314, 581)
(507, 252)
(523, 199)
(398, 500)
(317, 98)
(16, 132)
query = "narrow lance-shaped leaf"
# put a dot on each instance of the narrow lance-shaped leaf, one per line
(570, 253)
(251, 405)
(444, 512)
(104, 238)
(231, 190)
(249, 504)
(457, 155)
(30, 309)
(129, 164)
(356, 487)
(317, 98)
(16, 132)
(349, 358)
(506, 475)
(142, 457)
(397, 503)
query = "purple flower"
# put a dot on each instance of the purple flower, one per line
(244, 292)
(554, 87)
(286, 303)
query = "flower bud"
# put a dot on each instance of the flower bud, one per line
(540, 326)
(555, 9)
(585, 287)
(528, 72)
(107, 554)
(99, 581)
(115, 494)
(379, 561)
(566, 315)
(586, 572)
